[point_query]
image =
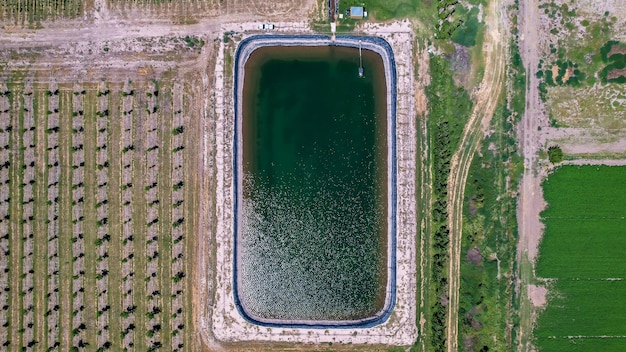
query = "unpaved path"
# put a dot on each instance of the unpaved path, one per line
(484, 107)
(530, 202)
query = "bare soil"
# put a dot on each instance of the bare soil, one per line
(617, 49)
(613, 74)
(473, 256)
(537, 295)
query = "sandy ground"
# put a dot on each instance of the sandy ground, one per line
(537, 295)
(576, 141)
(221, 321)
(530, 202)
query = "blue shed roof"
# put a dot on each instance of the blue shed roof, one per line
(356, 11)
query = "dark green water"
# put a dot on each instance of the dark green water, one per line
(313, 229)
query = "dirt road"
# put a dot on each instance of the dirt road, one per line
(484, 107)
(530, 202)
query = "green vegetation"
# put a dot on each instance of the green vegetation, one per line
(581, 251)
(449, 108)
(489, 239)
(585, 107)
(575, 61)
(583, 345)
(465, 34)
(585, 209)
(458, 21)
(615, 61)
(518, 76)
(489, 226)
(383, 10)
(194, 41)
(555, 154)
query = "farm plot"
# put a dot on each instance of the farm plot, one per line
(93, 200)
(192, 10)
(31, 12)
(581, 259)
(157, 8)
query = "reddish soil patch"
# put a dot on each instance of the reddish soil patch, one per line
(555, 73)
(474, 256)
(617, 49)
(473, 209)
(568, 73)
(616, 73)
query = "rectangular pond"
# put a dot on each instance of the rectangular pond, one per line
(313, 216)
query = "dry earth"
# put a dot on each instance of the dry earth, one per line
(530, 201)
(537, 295)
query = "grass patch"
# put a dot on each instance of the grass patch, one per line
(584, 223)
(583, 345)
(583, 308)
(489, 239)
(384, 10)
(597, 106)
(465, 34)
(583, 249)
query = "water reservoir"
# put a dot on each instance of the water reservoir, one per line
(313, 210)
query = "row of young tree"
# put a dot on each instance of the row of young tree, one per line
(53, 175)
(6, 129)
(178, 219)
(152, 157)
(23, 157)
(102, 215)
(28, 130)
(128, 256)
(77, 152)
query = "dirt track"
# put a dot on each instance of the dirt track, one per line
(485, 103)
(530, 202)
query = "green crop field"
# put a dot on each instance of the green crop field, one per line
(582, 254)
(93, 201)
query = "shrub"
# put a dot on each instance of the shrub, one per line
(555, 154)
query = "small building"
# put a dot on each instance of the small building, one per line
(356, 12)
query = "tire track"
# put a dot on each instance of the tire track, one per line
(484, 107)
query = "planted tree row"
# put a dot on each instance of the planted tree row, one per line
(446, 121)
(92, 234)
(102, 215)
(153, 289)
(127, 158)
(28, 179)
(53, 171)
(167, 8)
(5, 197)
(31, 12)
(178, 219)
(78, 324)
